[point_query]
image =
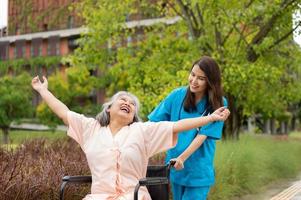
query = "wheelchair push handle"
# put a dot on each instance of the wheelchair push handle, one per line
(171, 164)
(162, 179)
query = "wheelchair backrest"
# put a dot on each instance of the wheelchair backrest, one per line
(158, 192)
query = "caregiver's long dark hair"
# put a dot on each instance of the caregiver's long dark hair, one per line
(214, 88)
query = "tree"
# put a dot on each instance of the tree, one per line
(151, 73)
(252, 41)
(15, 101)
(246, 37)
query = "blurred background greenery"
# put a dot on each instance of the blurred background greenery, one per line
(148, 47)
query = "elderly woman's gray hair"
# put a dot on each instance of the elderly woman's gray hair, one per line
(104, 117)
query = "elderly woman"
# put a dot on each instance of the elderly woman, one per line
(116, 145)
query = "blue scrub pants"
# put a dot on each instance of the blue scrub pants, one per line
(180, 192)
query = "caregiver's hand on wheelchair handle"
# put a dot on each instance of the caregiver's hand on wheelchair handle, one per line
(177, 163)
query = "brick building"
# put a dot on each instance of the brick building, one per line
(40, 15)
(39, 28)
(45, 29)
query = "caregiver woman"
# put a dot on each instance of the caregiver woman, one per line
(195, 149)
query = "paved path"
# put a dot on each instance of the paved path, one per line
(291, 193)
(286, 189)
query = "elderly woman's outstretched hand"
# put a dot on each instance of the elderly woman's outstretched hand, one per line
(38, 85)
(221, 114)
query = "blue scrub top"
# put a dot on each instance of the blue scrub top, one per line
(198, 168)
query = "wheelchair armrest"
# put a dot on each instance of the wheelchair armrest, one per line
(77, 179)
(153, 181)
(73, 179)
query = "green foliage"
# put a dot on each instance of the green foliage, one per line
(18, 64)
(254, 86)
(46, 116)
(251, 40)
(105, 20)
(151, 73)
(15, 99)
(73, 88)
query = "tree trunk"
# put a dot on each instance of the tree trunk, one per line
(267, 126)
(251, 122)
(286, 128)
(282, 128)
(273, 126)
(5, 131)
(233, 124)
(293, 123)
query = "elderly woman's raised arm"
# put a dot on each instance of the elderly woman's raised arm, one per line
(58, 107)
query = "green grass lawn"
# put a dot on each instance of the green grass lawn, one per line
(246, 166)
(295, 135)
(16, 137)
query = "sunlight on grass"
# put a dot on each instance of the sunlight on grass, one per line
(295, 135)
(16, 137)
(9, 146)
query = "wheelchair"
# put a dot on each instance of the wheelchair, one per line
(156, 181)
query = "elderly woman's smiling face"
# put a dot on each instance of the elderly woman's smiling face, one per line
(124, 107)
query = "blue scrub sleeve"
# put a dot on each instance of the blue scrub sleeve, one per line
(163, 111)
(214, 130)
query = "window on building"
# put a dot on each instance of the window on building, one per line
(57, 48)
(72, 43)
(17, 30)
(53, 46)
(20, 49)
(45, 27)
(4, 50)
(15, 51)
(70, 22)
(37, 51)
(36, 47)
